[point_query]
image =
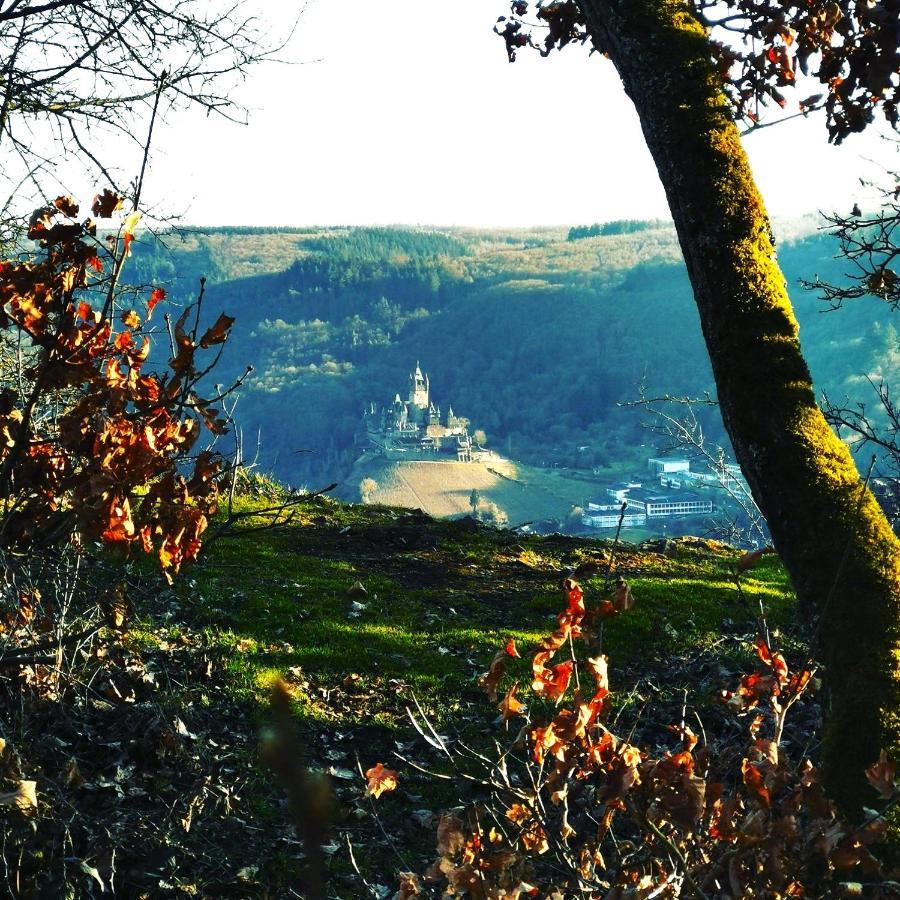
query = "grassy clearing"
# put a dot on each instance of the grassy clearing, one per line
(152, 776)
(432, 614)
(439, 598)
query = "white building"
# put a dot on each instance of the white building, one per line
(664, 465)
(606, 515)
(620, 491)
(730, 477)
(657, 506)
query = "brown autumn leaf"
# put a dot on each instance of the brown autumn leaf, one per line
(882, 776)
(519, 814)
(157, 295)
(106, 205)
(130, 319)
(588, 568)
(622, 599)
(410, 886)
(450, 836)
(772, 659)
(67, 206)
(217, 333)
(753, 779)
(598, 667)
(129, 223)
(72, 774)
(23, 798)
(116, 607)
(380, 780)
(40, 223)
(511, 706)
(752, 559)
(552, 683)
(489, 680)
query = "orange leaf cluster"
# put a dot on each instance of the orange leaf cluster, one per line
(113, 464)
(760, 48)
(762, 831)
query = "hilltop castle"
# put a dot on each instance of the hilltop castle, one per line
(414, 429)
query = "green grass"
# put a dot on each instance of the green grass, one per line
(440, 599)
(279, 600)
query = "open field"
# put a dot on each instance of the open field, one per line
(443, 488)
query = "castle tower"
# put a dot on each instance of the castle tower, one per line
(418, 389)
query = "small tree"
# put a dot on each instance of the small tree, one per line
(95, 446)
(367, 488)
(494, 515)
(75, 70)
(479, 437)
(474, 500)
(575, 517)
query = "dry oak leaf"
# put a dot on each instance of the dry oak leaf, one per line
(752, 559)
(882, 776)
(67, 206)
(157, 295)
(116, 607)
(598, 667)
(753, 779)
(217, 333)
(129, 223)
(510, 706)
(775, 660)
(553, 683)
(380, 780)
(450, 836)
(623, 599)
(489, 680)
(410, 886)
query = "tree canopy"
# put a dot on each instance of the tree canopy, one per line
(844, 54)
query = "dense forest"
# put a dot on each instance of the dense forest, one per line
(538, 338)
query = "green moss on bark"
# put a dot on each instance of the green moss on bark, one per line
(835, 542)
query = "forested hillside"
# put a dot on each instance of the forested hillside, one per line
(537, 336)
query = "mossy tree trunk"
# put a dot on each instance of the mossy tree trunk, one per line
(801, 474)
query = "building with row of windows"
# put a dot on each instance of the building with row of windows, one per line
(643, 503)
(729, 477)
(656, 505)
(664, 465)
(607, 515)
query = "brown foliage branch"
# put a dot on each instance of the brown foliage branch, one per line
(572, 808)
(92, 444)
(869, 242)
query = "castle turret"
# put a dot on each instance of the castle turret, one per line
(418, 389)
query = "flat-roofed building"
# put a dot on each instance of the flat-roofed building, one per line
(664, 465)
(607, 515)
(656, 505)
(620, 490)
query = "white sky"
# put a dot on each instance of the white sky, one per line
(406, 111)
